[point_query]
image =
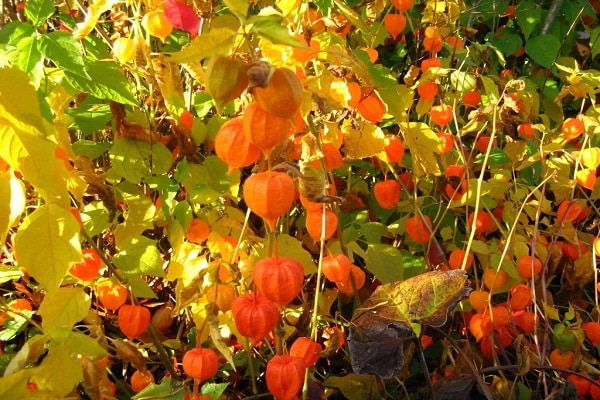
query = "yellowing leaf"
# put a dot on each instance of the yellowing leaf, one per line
(92, 17)
(12, 202)
(139, 214)
(362, 141)
(216, 42)
(22, 137)
(423, 144)
(47, 243)
(64, 308)
(60, 370)
(139, 256)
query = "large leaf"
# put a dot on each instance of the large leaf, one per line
(362, 141)
(139, 255)
(385, 262)
(64, 308)
(106, 82)
(12, 202)
(394, 313)
(529, 16)
(216, 42)
(38, 11)
(423, 144)
(135, 160)
(47, 243)
(543, 49)
(63, 50)
(270, 28)
(60, 371)
(27, 56)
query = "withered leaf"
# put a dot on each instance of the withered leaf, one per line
(390, 316)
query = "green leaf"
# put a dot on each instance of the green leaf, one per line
(90, 148)
(85, 345)
(139, 287)
(106, 82)
(15, 326)
(529, 15)
(135, 160)
(543, 49)
(27, 56)
(139, 255)
(213, 390)
(95, 218)
(39, 11)
(491, 89)
(63, 50)
(167, 389)
(216, 42)
(13, 32)
(385, 262)
(508, 43)
(271, 29)
(91, 115)
(64, 308)
(595, 50)
(55, 232)
(208, 181)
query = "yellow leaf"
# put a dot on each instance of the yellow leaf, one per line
(23, 138)
(64, 308)
(423, 144)
(12, 202)
(139, 215)
(92, 17)
(364, 140)
(47, 243)
(60, 370)
(216, 42)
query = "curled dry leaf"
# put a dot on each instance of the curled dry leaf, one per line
(393, 314)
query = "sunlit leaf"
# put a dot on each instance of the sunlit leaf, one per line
(38, 11)
(423, 144)
(55, 232)
(139, 255)
(137, 159)
(364, 140)
(60, 358)
(271, 29)
(12, 202)
(390, 316)
(64, 308)
(218, 41)
(63, 50)
(106, 82)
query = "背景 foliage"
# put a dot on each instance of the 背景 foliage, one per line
(108, 117)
